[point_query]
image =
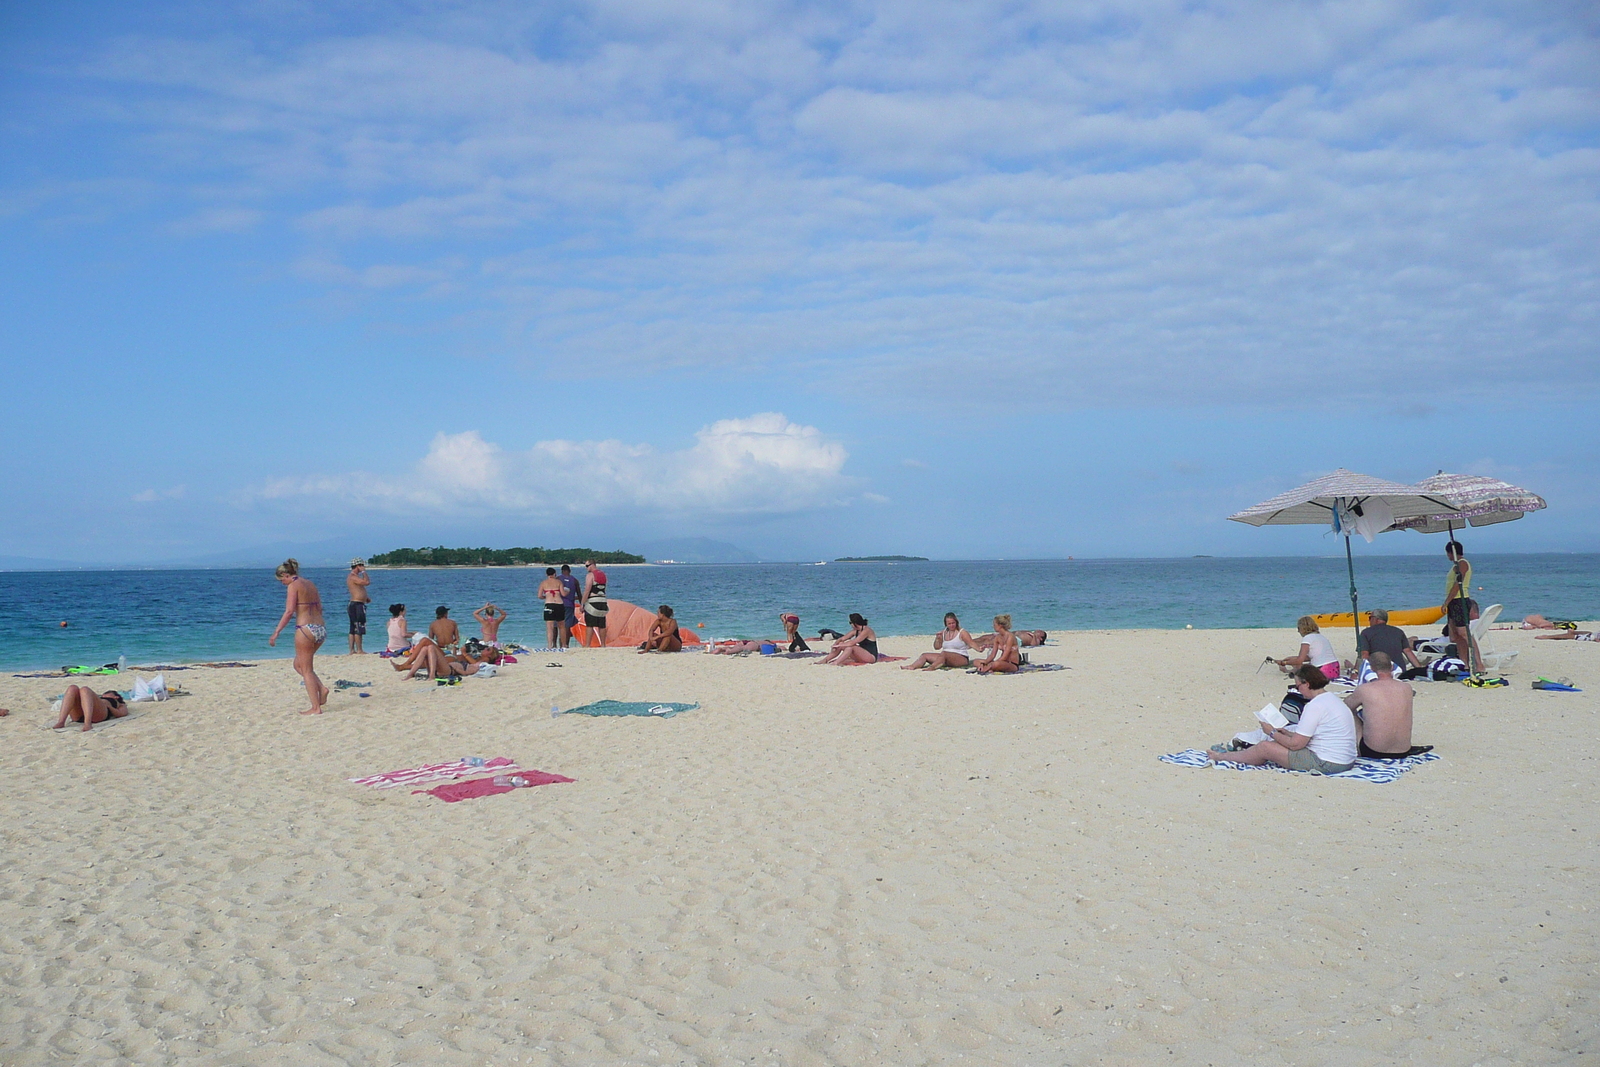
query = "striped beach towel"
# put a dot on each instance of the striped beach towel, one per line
(1366, 770)
(437, 772)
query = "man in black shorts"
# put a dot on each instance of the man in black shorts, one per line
(1458, 606)
(357, 581)
(555, 612)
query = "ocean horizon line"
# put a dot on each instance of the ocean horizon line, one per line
(114, 568)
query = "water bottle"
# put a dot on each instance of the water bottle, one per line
(122, 662)
(555, 710)
(474, 761)
(516, 782)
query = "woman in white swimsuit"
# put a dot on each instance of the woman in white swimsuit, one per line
(951, 648)
(304, 605)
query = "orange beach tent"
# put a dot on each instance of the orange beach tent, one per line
(627, 626)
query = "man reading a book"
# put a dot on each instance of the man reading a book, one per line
(1383, 713)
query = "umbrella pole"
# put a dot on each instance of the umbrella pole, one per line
(1355, 614)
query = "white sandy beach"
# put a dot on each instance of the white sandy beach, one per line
(819, 866)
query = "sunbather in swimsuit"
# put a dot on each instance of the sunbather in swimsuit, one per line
(304, 605)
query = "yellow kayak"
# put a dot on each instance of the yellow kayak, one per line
(1413, 617)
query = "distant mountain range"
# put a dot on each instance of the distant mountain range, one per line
(695, 550)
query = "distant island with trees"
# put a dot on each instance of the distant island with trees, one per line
(496, 557)
(882, 559)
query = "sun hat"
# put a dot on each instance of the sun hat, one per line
(358, 562)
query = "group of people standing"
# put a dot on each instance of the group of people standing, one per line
(563, 597)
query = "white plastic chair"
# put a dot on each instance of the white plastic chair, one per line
(1479, 628)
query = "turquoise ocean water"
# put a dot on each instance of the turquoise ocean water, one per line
(188, 615)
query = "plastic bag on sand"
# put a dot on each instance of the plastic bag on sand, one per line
(151, 689)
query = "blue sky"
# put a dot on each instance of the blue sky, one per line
(966, 279)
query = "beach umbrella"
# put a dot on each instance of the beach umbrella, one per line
(1350, 503)
(1478, 500)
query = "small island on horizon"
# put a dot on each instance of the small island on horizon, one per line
(496, 557)
(882, 559)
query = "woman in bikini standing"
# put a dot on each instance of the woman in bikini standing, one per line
(304, 605)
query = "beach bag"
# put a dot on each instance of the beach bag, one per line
(1292, 706)
(486, 670)
(151, 689)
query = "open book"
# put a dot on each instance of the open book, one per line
(1272, 716)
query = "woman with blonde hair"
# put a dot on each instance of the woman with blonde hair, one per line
(1315, 649)
(1004, 655)
(304, 605)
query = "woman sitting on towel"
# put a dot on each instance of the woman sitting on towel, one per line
(1322, 742)
(1315, 649)
(399, 638)
(1025, 638)
(82, 704)
(1005, 655)
(860, 645)
(952, 647)
(663, 633)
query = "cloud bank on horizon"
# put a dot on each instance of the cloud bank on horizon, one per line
(1150, 200)
(763, 465)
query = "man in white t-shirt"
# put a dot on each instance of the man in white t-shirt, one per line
(1322, 742)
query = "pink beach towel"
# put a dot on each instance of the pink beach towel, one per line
(485, 787)
(433, 772)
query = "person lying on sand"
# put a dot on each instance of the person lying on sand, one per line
(82, 704)
(1568, 635)
(1025, 638)
(405, 661)
(860, 645)
(1005, 656)
(736, 647)
(439, 665)
(663, 633)
(952, 647)
(1539, 622)
(1322, 742)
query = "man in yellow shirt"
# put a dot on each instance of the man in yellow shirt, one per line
(1458, 606)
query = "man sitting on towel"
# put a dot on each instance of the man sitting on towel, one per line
(1383, 713)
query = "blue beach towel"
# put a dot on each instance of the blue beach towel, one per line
(1367, 770)
(630, 707)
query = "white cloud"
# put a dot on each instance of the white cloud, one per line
(761, 465)
(1139, 201)
(152, 496)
